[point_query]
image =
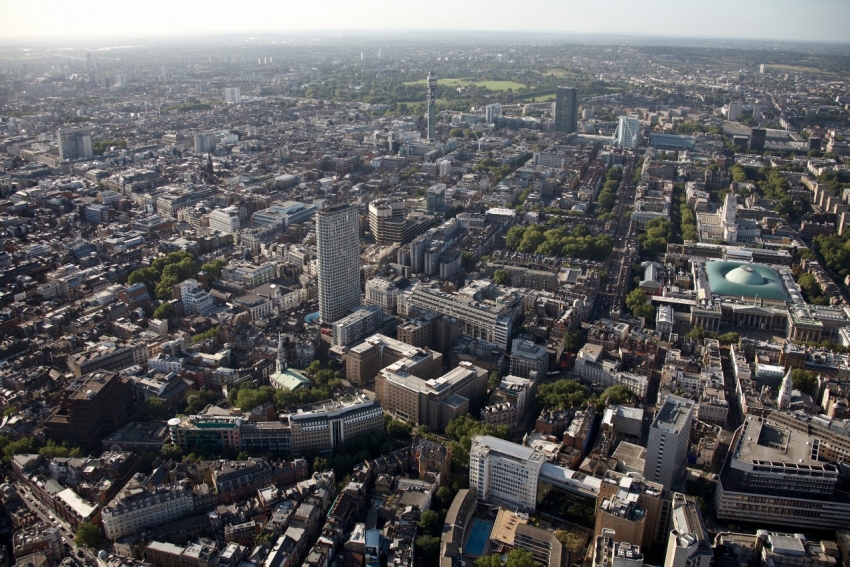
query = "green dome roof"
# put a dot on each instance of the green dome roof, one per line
(745, 275)
(736, 279)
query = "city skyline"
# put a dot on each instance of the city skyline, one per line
(258, 289)
(94, 20)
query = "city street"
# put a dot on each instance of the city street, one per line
(619, 264)
(49, 518)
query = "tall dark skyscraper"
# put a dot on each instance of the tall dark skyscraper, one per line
(338, 255)
(432, 105)
(566, 110)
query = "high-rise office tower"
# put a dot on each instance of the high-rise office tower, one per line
(205, 142)
(232, 95)
(74, 143)
(733, 111)
(338, 253)
(566, 109)
(432, 105)
(628, 132)
(758, 137)
(491, 112)
(669, 435)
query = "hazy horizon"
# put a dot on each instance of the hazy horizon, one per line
(95, 21)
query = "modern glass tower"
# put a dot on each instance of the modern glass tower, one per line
(338, 251)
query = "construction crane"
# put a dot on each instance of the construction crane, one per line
(472, 128)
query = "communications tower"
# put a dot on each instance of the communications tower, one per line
(432, 104)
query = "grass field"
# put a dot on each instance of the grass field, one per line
(563, 73)
(797, 68)
(491, 85)
(540, 98)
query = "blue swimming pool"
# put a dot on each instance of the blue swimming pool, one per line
(312, 317)
(478, 536)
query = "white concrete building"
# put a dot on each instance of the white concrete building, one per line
(225, 220)
(165, 363)
(338, 257)
(360, 323)
(251, 275)
(504, 473)
(734, 109)
(628, 132)
(232, 95)
(688, 544)
(591, 366)
(491, 112)
(669, 436)
(194, 298)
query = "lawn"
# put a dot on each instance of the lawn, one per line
(564, 74)
(797, 68)
(491, 85)
(539, 98)
(500, 85)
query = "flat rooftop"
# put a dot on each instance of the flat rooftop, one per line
(506, 447)
(764, 442)
(673, 414)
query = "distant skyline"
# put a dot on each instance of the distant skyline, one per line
(52, 21)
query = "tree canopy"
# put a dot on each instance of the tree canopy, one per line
(460, 432)
(165, 272)
(835, 251)
(501, 277)
(429, 523)
(573, 341)
(560, 241)
(699, 334)
(519, 557)
(213, 268)
(639, 306)
(152, 409)
(563, 394)
(197, 401)
(614, 395)
(805, 380)
(88, 535)
(573, 539)
(492, 560)
(165, 311)
(428, 547)
(654, 240)
(468, 260)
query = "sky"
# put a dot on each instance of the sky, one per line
(105, 20)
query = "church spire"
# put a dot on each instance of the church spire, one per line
(784, 398)
(281, 354)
